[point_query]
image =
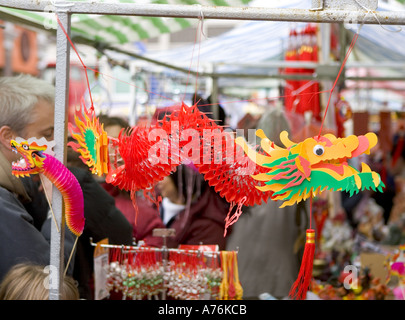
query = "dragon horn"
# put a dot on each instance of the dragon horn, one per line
(372, 140)
(252, 154)
(266, 144)
(285, 140)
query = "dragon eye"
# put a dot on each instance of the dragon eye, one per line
(25, 146)
(318, 150)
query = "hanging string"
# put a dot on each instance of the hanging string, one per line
(310, 210)
(80, 59)
(201, 18)
(337, 78)
(191, 59)
(399, 29)
(356, 36)
(199, 28)
(96, 71)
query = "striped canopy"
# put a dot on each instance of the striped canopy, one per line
(113, 29)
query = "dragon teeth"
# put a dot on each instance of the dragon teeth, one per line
(20, 163)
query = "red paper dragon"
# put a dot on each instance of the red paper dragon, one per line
(150, 153)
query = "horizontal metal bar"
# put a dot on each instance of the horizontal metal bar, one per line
(126, 248)
(314, 65)
(207, 74)
(289, 76)
(374, 78)
(215, 12)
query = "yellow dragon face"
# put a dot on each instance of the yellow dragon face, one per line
(32, 160)
(329, 153)
(301, 170)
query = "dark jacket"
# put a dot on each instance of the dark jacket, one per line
(21, 239)
(142, 223)
(204, 223)
(103, 220)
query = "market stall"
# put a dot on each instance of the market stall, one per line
(327, 12)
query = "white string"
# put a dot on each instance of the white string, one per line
(375, 16)
(61, 3)
(303, 87)
(201, 17)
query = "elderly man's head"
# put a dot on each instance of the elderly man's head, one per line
(26, 110)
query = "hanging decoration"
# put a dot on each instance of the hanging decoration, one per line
(302, 95)
(305, 169)
(309, 89)
(143, 275)
(300, 171)
(229, 175)
(230, 288)
(37, 159)
(141, 168)
(291, 100)
(150, 153)
(92, 140)
(218, 158)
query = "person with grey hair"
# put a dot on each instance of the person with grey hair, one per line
(27, 110)
(27, 106)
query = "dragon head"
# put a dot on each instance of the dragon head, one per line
(33, 156)
(304, 169)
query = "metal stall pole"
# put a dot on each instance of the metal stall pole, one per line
(61, 110)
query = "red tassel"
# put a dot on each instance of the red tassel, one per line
(300, 287)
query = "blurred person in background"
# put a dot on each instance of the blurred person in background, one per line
(267, 236)
(192, 208)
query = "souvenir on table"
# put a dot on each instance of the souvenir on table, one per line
(230, 288)
(366, 287)
(396, 269)
(147, 272)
